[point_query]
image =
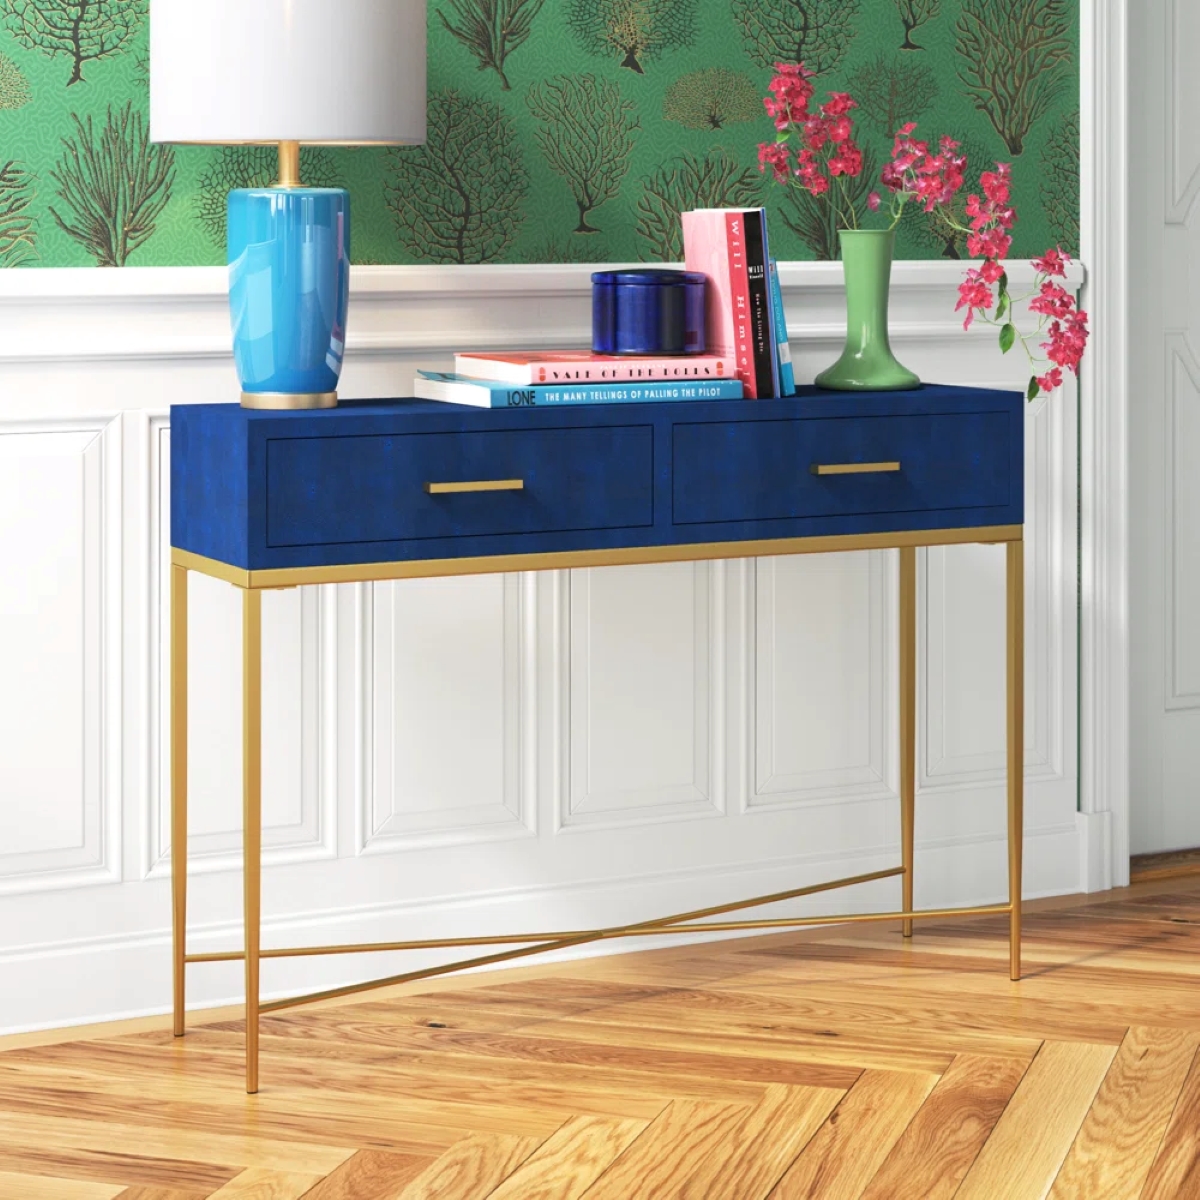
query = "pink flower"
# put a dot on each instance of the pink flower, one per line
(930, 178)
(816, 133)
(874, 200)
(838, 104)
(991, 271)
(995, 184)
(1053, 262)
(808, 171)
(974, 295)
(1052, 301)
(776, 156)
(994, 243)
(790, 93)
(1068, 340)
(847, 161)
(1051, 380)
(840, 128)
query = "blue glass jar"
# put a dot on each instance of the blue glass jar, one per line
(648, 311)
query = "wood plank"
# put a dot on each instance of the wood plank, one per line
(570, 1161)
(87, 1133)
(472, 1168)
(369, 1173)
(686, 1132)
(1030, 1019)
(108, 1166)
(850, 1146)
(803, 1019)
(752, 1160)
(1036, 1130)
(1116, 1147)
(942, 1140)
(43, 1187)
(1176, 1168)
(150, 1192)
(257, 1184)
(836, 1051)
(484, 1094)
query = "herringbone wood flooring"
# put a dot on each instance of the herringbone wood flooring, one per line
(837, 1064)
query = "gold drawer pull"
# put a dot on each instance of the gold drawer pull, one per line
(854, 468)
(476, 485)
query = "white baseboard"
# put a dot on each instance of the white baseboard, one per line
(1096, 851)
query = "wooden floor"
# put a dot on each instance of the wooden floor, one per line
(1172, 864)
(842, 1064)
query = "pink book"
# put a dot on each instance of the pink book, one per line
(714, 243)
(581, 366)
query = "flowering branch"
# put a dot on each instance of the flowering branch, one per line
(826, 155)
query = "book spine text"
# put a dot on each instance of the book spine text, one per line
(743, 347)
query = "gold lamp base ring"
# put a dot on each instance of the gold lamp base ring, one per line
(286, 400)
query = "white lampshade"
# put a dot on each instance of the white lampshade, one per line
(335, 71)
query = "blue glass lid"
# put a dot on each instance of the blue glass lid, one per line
(648, 277)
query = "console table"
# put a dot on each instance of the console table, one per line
(404, 489)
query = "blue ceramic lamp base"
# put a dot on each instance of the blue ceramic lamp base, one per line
(289, 288)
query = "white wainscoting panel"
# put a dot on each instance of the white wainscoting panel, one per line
(1183, 529)
(824, 676)
(645, 679)
(60, 712)
(447, 655)
(449, 757)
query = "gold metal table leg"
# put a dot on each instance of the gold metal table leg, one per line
(179, 781)
(252, 815)
(1016, 744)
(908, 722)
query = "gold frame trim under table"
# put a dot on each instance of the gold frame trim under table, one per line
(254, 583)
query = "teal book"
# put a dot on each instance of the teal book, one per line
(488, 393)
(783, 351)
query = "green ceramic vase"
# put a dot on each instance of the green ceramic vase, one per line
(867, 363)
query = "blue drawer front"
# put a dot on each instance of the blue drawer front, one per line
(266, 490)
(347, 489)
(764, 470)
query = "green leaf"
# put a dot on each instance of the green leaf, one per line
(1031, 392)
(1004, 282)
(1008, 337)
(782, 136)
(1002, 306)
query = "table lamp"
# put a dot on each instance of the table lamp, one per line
(282, 72)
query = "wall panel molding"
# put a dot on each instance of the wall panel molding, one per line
(400, 811)
(671, 686)
(841, 691)
(1182, 542)
(62, 523)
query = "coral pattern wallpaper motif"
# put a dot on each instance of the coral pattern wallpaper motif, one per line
(559, 130)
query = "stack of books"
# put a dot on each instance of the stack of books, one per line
(747, 353)
(745, 319)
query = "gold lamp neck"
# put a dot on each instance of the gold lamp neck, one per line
(289, 164)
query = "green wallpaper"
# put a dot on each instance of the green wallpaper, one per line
(559, 130)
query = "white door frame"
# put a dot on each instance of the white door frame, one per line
(1104, 583)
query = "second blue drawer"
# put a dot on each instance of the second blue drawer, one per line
(765, 470)
(327, 490)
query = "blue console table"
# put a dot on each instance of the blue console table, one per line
(402, 489)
